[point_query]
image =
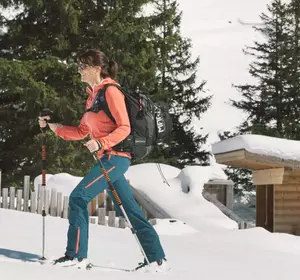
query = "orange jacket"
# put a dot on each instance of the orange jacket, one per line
(98, 125)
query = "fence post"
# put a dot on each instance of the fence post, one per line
(229, 197)
(53, 202)
(47, 200)
(101, 199)
(122, 222)
(12, 198)
(59, 204)
(19, 200)
(66, 207)
(93, 220)
(109, 204)
(5, 198)
(33, 202)
(26, 192)
(111, 218)
(40, 199)
(153, 222)
(101, 216)
(241, 224)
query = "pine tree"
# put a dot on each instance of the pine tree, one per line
(292, 118)
(268, 102)
(273, 103)
(24, 92)
(177, 85)
(41, 43)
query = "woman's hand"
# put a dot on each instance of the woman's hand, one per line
(52, 126)
(43, 121)
(93, 145)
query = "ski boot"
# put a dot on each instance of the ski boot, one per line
(67, 261)
(156, 266)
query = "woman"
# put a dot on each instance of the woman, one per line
(96, 70)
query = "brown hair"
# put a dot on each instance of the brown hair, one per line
(109, 68)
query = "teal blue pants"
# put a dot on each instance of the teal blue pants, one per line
(88, 188)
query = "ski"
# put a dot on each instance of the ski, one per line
(91, 265)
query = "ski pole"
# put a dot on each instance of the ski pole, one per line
(118, 200)
(44, 186)
(45, 112)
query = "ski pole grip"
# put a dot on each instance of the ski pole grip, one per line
(46, 112)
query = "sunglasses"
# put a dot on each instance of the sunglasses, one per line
(82, 66)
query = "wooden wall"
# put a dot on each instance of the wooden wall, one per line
(287, 208)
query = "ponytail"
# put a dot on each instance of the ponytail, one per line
(112, 69)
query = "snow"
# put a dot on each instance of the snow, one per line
(181, 195)
(260, 144)
(184, 186)
(197, 239)
(62, 182)
(193, 178)
(252, 253)
(173, 227)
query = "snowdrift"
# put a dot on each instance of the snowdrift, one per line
(180, 195)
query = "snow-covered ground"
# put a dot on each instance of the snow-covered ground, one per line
(204, 254)
(200, 241)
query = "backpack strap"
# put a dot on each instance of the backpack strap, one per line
(105, 105)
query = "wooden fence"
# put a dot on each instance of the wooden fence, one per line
(101, 209)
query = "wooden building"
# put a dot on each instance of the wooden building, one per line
(277, 184)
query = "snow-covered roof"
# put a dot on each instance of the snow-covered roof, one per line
(258, 152)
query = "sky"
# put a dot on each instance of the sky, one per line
(220, 44)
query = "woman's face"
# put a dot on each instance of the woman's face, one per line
(89, 74)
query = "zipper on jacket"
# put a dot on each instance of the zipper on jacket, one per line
(86, 116)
